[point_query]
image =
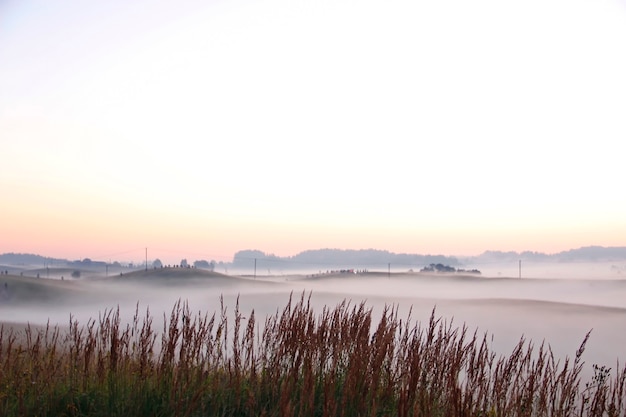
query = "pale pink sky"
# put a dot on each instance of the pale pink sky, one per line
(204, 128)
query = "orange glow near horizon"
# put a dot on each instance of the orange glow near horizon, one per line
(56, 222)
(74, 237)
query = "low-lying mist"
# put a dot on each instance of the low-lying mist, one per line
(558, 312)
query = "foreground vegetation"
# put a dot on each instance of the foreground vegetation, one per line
(298, 363)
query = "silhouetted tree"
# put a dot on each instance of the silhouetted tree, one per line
(204, 265)
(201, 264)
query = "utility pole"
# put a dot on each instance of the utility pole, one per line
(146, 259)
(520, 269)
(254, 268)
(389, 270)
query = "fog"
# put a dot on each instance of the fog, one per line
(556, 310)
(558, 270)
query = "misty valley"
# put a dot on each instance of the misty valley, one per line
(506, 316)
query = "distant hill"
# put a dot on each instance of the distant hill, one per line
(594, 253)
(17, 289)
(169, 275)
(336, 259)
(29, 259)
(584, 254)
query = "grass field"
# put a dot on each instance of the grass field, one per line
(337, 362)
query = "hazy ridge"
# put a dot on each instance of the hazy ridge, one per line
(349, 258)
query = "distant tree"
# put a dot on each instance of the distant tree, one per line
(201, 264)
(76, 273)
(204, 265)
(157, 264)
(184, 263)
(245, 258)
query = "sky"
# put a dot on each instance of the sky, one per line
(200, 128)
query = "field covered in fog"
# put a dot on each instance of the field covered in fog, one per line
(558, 312)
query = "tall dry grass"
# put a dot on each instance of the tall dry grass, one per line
(298, 363)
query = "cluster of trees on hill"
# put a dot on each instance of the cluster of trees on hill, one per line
(201, 264)
(88, 263)
(448, 269)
